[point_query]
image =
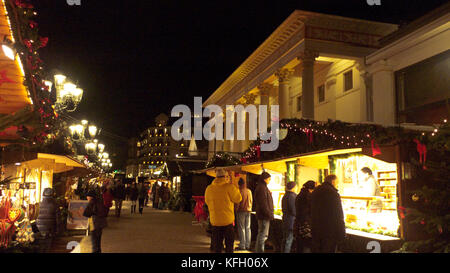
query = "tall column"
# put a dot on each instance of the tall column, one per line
(284, 76)
(383, 93)
(308, 58)
(249, 100)
(264, 89)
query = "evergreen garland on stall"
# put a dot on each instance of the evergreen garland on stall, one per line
(41, 117)
(222, 159)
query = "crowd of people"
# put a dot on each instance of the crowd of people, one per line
(115, 190)
(314, 218)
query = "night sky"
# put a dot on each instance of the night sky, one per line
(136, 59)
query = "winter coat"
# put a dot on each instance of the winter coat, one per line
(108, 198)
(133, 194)
(220, 198)
(327, 217)
(142, 192)
(164, 193)
(263, 202)
(303, 207)
(119, 191)
(98, 211)
(247, 200)
(288, 207)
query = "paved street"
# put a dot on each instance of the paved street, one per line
(156, 231)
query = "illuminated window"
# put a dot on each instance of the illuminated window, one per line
(182, 144)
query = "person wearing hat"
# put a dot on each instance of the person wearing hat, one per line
(220, 198)
(264, 210)
(288, 207)
(302, 224)
(97, 212)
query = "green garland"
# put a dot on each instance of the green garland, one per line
(222, 159)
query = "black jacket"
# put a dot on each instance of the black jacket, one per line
(288, 207)
(119, 191)
(303, 207)
(326, 213)
(133, 194)
(263, 202)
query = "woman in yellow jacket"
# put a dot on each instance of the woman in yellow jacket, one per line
(220, 198)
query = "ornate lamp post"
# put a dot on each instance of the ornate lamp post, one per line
(68, 95)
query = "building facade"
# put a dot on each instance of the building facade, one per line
(321, 67)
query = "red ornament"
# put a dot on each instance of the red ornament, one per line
(309, 135)
(422, 222)
(33, 24)
(422, 150)
(375, 148)
(44, 41)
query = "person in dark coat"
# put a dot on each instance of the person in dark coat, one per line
(153, 193)
(164, 193)
(98, 211)
(288, 207)
(142, 193)
(328, 226)
(264, 210)
(119, 196)
(133, 197)
(302, 226)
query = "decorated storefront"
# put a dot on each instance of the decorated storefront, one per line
(389, 206)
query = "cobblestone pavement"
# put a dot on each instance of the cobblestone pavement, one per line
(155, 231)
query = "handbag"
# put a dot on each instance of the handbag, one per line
(304, 230)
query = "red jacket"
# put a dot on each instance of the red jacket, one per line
(107, 199)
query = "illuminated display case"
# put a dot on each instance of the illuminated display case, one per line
(370, 213)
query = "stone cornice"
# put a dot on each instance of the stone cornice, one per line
(283, 45)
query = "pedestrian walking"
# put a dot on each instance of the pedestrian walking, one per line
(142, 192)
(243, 216)
(153, 194)
(107, 198)
(328, 226)
(220, 198)
(133, 197)
(157, 196)
(302, 226)
(97, 212)
(288, 208)
(119, 196)
(164, 193)
(264, 210)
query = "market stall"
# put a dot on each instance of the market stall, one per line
(367, 215)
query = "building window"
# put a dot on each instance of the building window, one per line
(321, 93)
(348, 80)
(299, 103)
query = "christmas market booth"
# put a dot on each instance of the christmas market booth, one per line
(391, 212)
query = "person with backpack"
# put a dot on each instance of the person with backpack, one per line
(133, 197)
(97, 211)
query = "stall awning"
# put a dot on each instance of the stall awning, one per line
(58, 163)
(318, 159)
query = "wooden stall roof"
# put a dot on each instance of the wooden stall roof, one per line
(13, 94)
(58, 163)
(317, 159)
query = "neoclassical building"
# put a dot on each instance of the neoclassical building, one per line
(321, 67)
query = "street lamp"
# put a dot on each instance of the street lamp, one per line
(68, 95)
